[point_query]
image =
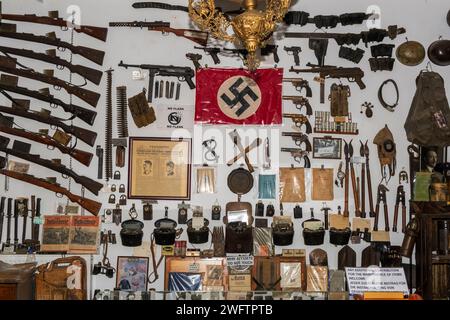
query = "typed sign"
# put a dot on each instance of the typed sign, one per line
(239, 261)
(376, 279)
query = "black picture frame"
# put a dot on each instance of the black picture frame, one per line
(321, 145)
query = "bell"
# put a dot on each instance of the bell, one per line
(410, 53)
(439, 52)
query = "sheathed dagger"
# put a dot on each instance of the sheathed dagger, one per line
(2, 216)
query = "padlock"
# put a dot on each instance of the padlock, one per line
(112, 199)
(148, 211)
(113, 188)
(122, 188)
(107, 216)
(123, 200)
(216, 209)
(117, 215)
(259, 210)
(117, 175)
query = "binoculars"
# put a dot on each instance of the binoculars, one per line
(107, 270)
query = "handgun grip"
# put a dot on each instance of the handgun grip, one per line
(307, 161)
(297, 59)
(308, 145)
(360, 83)
(308, 92)
(276, 58)
(308, 127)
(189, 81)
(322, 91)
(309, 110)
(215, 58)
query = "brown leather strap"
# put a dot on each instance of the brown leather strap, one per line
(155, 265)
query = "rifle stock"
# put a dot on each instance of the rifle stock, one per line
(95, 32)
(81, 156)
(90, 74)
(8, 65)
(196, 36)
(93, 55)
(84, 135)
(84, 114)
(90, 205)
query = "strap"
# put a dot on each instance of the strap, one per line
(155, 265)
(388, 107)
(158, 5)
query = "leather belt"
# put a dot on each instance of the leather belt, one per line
(158, 5)
(385, 105)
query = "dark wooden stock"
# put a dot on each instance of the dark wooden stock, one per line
(93, 55)
(369, 190)
(79, 155)
(84, 135)
(386, 217)
(201, 39)
(363, 191)
(87, 96)
(90, 74)
(346, 189)
(394, 226)
(90, 205)
(355, 191)
(95, 32)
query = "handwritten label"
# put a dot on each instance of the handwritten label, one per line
(362, 280)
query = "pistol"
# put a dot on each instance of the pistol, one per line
(300, 84)
(300, 102)
(299, 120)
(299, 138)
(298, 155)
(195, 58)
(212, 51)
(295, 52)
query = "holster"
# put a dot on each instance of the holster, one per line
(354, 56)
(296, 17)
(340, 237)
(381, 64)
(320, 47)
(339, 100)
(238, 238)
(142, 113)
(283, 234)
(326, 21)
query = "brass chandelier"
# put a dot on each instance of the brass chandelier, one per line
(252, 29)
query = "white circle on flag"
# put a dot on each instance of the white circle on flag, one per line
(239, 97)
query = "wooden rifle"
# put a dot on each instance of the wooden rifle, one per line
(49, 56)
(8, 65)
(21, 150)
(42, 138)
(21, 110)
(196, 36)
(9, 84)
(90, 205)
(2, 216)
(9, 31)
(53, 19)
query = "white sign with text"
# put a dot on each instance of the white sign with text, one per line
(376, 279)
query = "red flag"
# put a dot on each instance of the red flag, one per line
(237, 96)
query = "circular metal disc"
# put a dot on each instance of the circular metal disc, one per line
(240, 181)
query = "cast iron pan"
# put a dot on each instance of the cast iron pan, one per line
(240, 181)
(346, 258)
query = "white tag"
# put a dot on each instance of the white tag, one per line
(194, 267)
(74, 280)
(38, 220)
(358, 160)
(138, 75)
(198, 222)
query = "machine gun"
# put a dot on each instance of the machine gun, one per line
(300, 102)
(9, 65)
(299, 121)
(295, 51)
(182, 73)
(298, 155)
(54, 20)
(90, 205)
(9, 31)
(9, 84)
(6, 126)
(213, 52)
(373, 35)
(21, 150)
(351, 74)
(21, 110)
(196, 36)
(95, 76)
(299, 138)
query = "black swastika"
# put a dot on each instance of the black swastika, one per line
(239, 97)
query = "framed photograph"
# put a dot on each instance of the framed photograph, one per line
(160, 169)
(327, 148)
(132, 273)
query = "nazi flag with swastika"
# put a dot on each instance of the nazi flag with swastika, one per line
(237, 96)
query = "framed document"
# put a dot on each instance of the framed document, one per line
(159, 168)
(327, 148)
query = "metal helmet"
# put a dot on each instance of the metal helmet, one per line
(439, 52)
(411, 53)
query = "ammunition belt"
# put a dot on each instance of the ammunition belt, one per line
(159, 5)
